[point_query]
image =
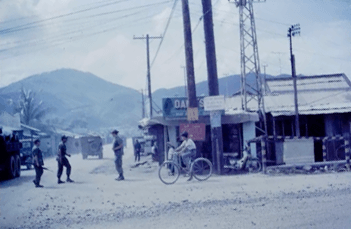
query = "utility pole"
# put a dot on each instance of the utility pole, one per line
(148, 65)
(142, 103)
(185, 87)
(212, 78)
(193, 112)
(292, 31)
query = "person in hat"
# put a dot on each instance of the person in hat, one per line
(187, 150)
(118, 149)
(38, 163)
(63, 161)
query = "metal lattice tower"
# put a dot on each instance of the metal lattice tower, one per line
(250, 62)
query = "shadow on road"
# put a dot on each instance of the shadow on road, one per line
(15, 182)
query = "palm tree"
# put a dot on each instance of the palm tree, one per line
(29, 108)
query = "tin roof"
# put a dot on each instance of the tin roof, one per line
(325, 94)
(309, 83)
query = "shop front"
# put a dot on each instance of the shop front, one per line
(237, 127)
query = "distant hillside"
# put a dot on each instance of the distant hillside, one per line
(82, 100)
(75, 96)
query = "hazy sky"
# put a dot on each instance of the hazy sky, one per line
(97, 36)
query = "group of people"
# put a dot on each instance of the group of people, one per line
(61, 158)
(187, 151)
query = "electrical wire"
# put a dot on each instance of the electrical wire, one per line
(24, 26)
(165, 31)
(71, 39)
(35, 16)
(33, 24)
(72, 32)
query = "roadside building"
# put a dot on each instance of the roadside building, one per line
(238, 126)
(324, 104)
(324, 111)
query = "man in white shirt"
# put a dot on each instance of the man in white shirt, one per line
(187, 149)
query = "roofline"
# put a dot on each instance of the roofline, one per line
(311, 77)
(310, 90)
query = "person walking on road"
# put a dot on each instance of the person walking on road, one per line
(38, 163)
(137, 148)
(63, 161)
(118, 149)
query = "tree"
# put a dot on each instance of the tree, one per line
(29, 109)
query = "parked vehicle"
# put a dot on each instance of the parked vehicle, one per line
(91, 146)
(246, 163)
(26, 153)
(10, 162)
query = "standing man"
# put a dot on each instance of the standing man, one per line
(137, 148)
(118, 149)
(63, 161)
(38, 163)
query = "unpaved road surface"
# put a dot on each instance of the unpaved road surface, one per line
(96, 200)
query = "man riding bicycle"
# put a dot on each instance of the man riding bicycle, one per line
(187, 150)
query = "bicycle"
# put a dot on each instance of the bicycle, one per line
(169, 171)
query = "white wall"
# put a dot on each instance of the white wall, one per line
(249, 132)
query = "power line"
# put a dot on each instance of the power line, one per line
(72, 32)
(71, 39)
(165, 31)
(59, 16)
(34, 24)
(63, 35)
(35, 16)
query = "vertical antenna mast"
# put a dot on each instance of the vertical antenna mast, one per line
(250, 62)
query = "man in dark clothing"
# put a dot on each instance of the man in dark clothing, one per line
(118, 149)
(63, 161)
(137, 148)
(38, 163)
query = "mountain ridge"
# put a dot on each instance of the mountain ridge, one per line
(82, 98)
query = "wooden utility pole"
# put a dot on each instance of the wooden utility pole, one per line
(185, 87)
(212, 78)
(188, 44)
(292, 31)
(142, 103)
(148, 66)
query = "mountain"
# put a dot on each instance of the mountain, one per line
(79, 100)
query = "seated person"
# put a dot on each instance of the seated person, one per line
(187, 150)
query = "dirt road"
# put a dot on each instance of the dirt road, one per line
(96, 200)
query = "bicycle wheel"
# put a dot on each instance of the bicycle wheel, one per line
(254, 165)
(168, 172)
(201, 169)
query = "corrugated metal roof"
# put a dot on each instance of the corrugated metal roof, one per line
(316, 101)
(309, 83)
(326, 102)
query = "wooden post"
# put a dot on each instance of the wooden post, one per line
(264, 155)
(189, 60)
